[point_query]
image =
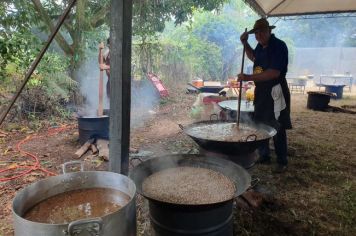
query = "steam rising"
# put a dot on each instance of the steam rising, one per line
(144, 97)
(89, 88)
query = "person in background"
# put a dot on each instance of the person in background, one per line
(105, 53)
(272, 96)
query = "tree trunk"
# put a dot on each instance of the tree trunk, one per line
(79, 26)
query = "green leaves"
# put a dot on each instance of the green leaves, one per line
(150, 17)
(17, 48)
(207, 46)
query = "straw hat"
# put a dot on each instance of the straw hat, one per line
(260, 25)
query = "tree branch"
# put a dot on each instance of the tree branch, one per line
(98, 17)
(66, 23)
(68, 50)
(69, 29)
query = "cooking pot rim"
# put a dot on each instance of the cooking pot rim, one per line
(187, 204)
(269, 129)
(72, 175)
(200, 158)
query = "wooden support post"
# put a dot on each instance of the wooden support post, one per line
(120, 85)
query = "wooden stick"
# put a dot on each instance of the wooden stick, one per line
(101, 86)
(94, 149)
(84, 148)
(240, 92)
(103, 147)
(340, 109)
(253, 198)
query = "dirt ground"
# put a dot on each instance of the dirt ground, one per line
(316, 196)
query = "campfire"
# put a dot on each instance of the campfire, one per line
(98, 147)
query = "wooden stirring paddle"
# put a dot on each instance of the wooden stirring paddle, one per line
(240, 89)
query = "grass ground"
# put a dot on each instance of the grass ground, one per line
(317, 195)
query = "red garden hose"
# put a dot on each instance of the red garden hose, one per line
(36, 165)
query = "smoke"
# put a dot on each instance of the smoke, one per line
(319, 46)
(88, 75)
(144, 97)
(323, 61)
(317, 32)
(144, 100)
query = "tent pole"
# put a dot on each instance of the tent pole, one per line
(274, 8)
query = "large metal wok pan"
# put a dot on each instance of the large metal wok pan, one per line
(236, 173)
(229, 147)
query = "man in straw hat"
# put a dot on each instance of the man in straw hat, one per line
(272, 96)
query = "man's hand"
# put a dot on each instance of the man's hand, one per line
(101, 46)
(104, 67)
(244, 38)
(243, 77)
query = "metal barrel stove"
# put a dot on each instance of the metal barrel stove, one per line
(200, 220)
(169, 219)
(93, 127)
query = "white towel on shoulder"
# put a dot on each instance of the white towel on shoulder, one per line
(279, 101)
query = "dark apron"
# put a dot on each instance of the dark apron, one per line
(263, 101)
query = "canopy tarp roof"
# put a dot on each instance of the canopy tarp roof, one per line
(270, 8)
